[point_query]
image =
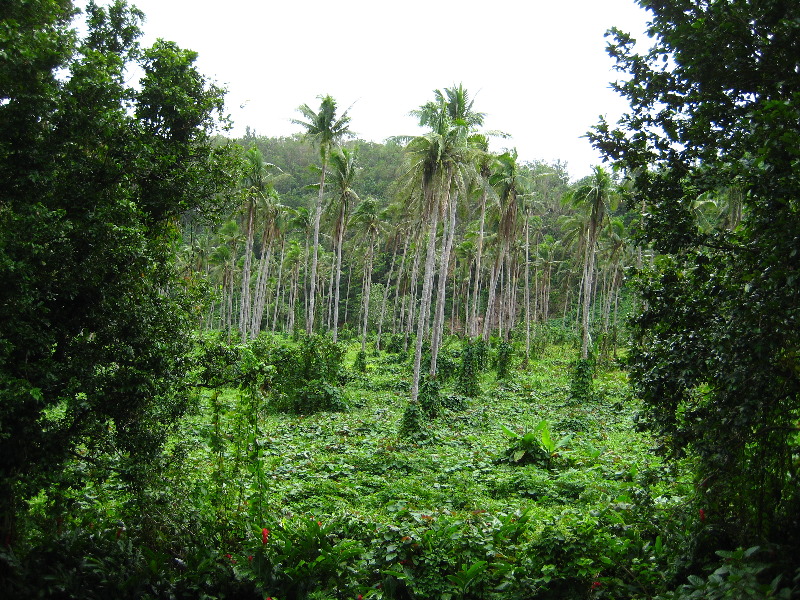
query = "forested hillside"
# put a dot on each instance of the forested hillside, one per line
(317, 367)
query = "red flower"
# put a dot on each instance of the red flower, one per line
(249, 559)
(264, 535)
(359, 597)
(596, 585)
(702, 515)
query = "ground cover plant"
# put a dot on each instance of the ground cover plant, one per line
(412, 382)
(305, 501)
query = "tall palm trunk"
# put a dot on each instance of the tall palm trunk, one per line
(384, 301)
(412, 289)
(261, 286)
(338, 269)
(367, 290)
(447, 245)
(588, 280)
(315, 257)
(473, 326)
(425, 302)
(398, 314)
(347, 295)
(490, 304)
(244, 310)
(527, 291)
(278, 286)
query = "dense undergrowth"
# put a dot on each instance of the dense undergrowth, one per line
(300, 476)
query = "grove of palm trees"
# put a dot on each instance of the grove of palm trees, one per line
(317, 367)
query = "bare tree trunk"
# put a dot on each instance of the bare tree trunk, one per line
(278, 287)
(291, 316)
(347, 297)
(587, 292)
(447, 243)
(384, 302)
(473, 325)
(315, 258)
(398, 316)
(261, 288)
(244, 311)
(338, 270)
(491, 301)
(425, 302)
(409, 326)
(367, 289)
(527, 292)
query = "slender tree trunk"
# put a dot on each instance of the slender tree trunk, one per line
(278, 286)
(367, 290)
(347, 297)
(587, 292)
(527, 292)
(292, 315)
(338, 269)
(244, 312)
(491, 300)
(306, 281)
(261, 287)
(409, 326)
(384, 302)
(315, 258)
(398, 287)
(425, 301)
(447, 244)
(473, 326)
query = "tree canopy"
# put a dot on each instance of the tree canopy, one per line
(715, 113)
(93, 176)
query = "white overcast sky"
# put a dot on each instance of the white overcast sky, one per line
(537, 68)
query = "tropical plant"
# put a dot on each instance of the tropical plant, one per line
(324, 129)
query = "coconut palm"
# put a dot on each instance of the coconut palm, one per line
(325, 130)
(593, 197)
(434, 160)
(368, 220)
(257, 183)
(506, 182)
(344, 168)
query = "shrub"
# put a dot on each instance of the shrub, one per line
(468, 381)
(360, 364)
(582, 384)
(505, 356)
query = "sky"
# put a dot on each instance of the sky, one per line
(538, 69)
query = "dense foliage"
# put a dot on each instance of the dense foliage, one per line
(455, 420)
(93, 175)
(715, 114)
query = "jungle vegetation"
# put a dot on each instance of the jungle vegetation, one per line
(322, 367)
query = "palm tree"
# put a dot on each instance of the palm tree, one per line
(445, 157)
(324, 129)
(434, 157)
(344, 170)
(593, 198)
(367, 218)
(505, 180)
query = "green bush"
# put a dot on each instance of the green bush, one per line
(505, 357)
(468, 380)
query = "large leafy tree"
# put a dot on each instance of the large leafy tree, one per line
(93, 177)
(715, 105)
